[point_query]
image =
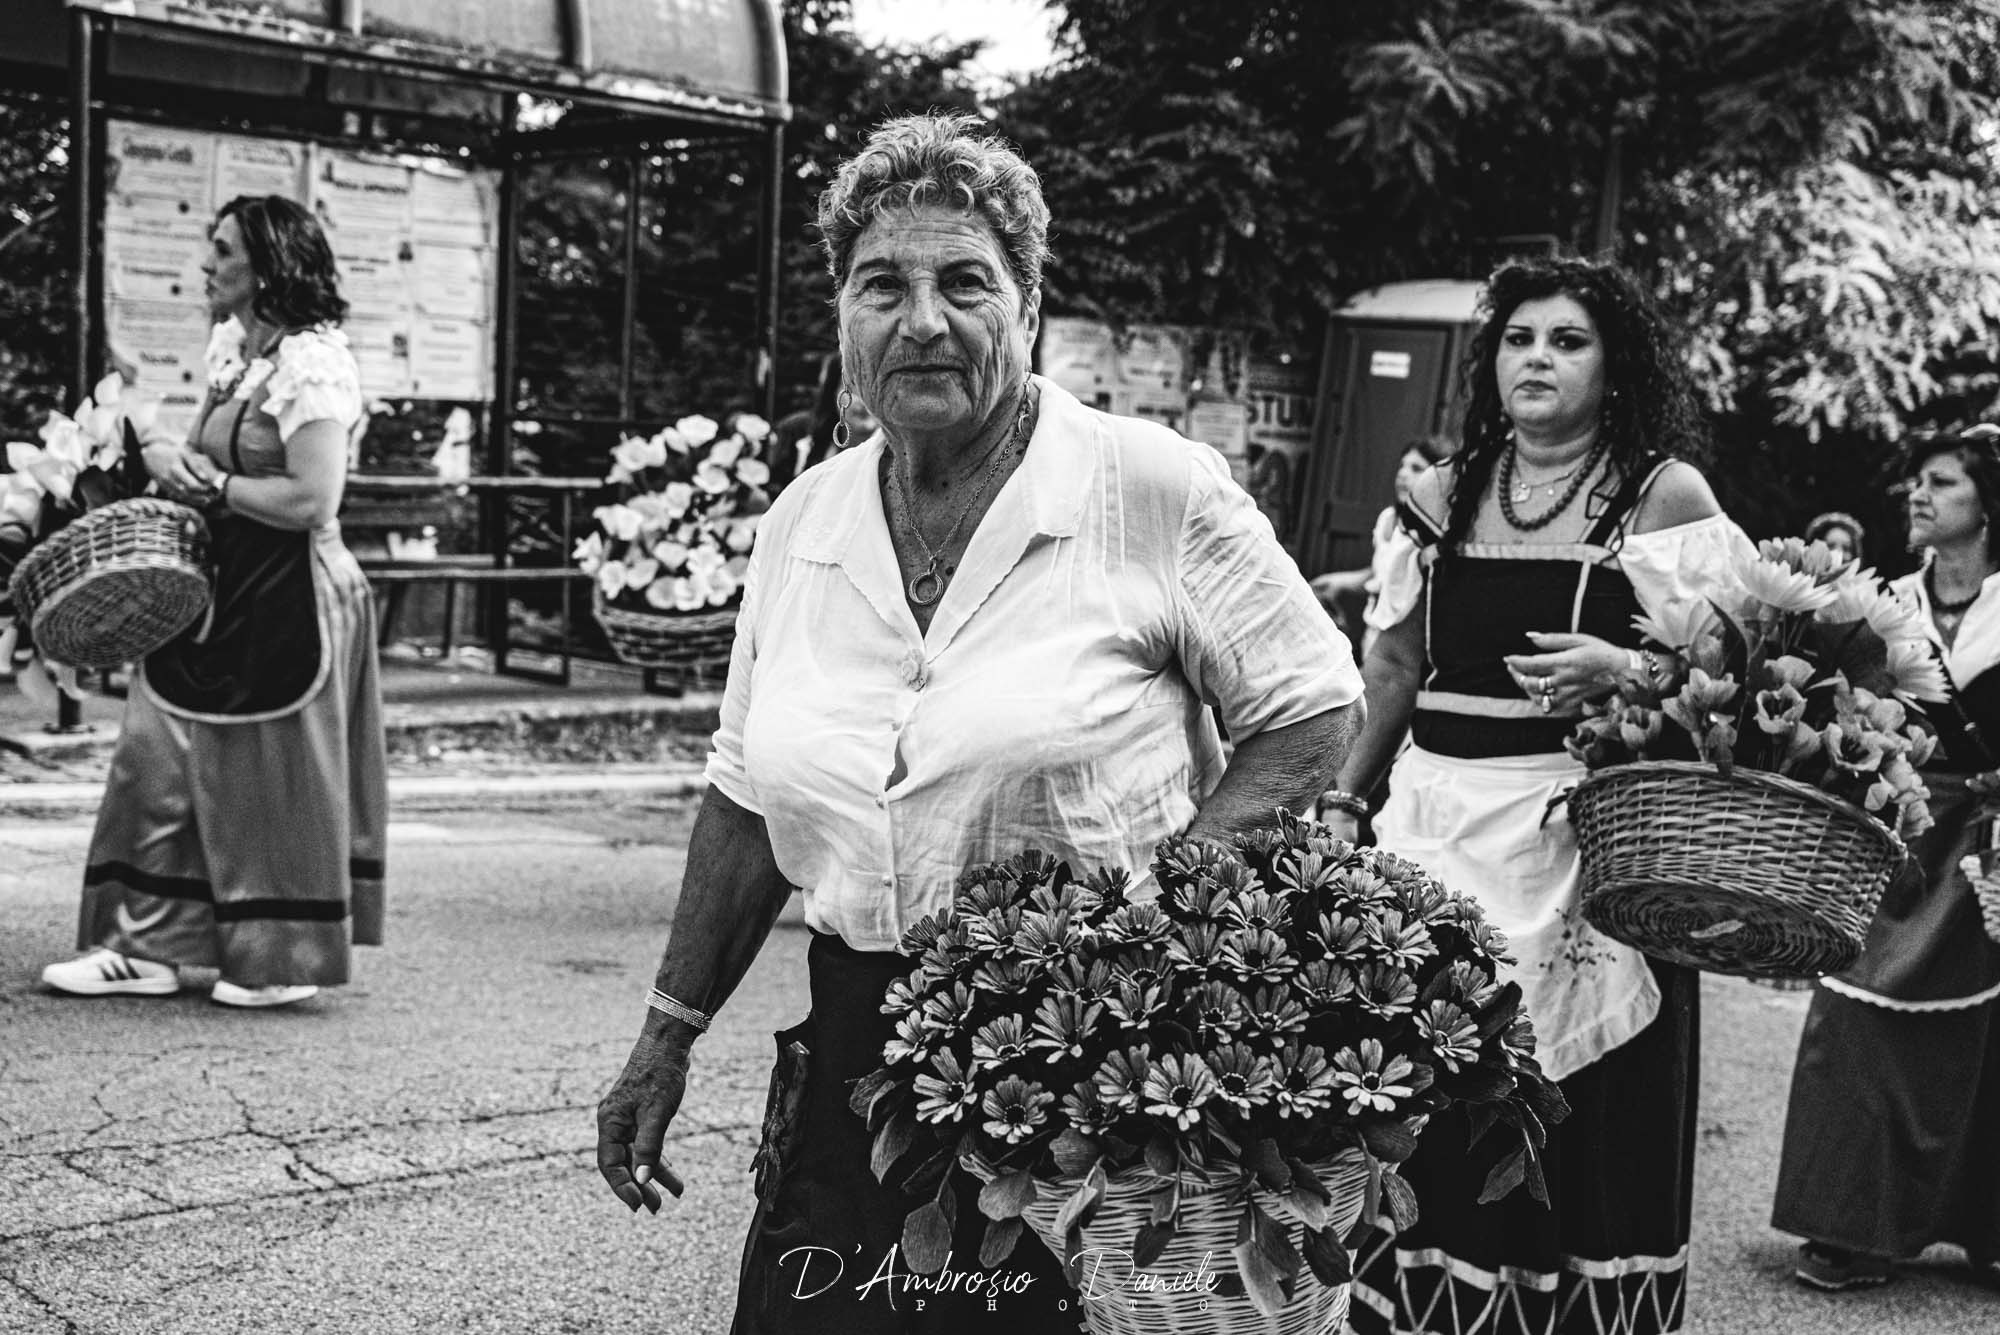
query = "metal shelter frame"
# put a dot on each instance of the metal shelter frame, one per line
(609, 112)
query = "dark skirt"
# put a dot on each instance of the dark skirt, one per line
(1607, 1257)
(825, 1230)
(1892, 1135)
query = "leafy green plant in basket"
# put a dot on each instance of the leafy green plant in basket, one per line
(1808, 667)
(1282, 1001)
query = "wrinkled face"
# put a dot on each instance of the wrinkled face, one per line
(934, 331)
(1408, 471)
(1550, 367)
(232, 284)
(1943, 503)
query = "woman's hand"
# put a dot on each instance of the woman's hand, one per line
(1342, 824)
(1570, 670)
(182, 474)
(632, 1122)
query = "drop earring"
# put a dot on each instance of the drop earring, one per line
(841, 435)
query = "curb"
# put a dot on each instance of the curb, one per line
(407, 792)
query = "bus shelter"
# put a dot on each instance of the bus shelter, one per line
(556, 222)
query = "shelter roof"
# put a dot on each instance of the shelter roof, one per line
(714, 57)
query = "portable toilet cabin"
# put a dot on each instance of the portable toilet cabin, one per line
(1389, 373)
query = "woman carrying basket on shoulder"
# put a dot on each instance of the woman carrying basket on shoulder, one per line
(1563, 517)
(243, 823)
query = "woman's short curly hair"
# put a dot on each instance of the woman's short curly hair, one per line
(943, 158)
(297, 283)
(1649, 403)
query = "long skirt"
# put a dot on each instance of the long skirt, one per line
(1892, 1136)
(823, 1254)
(254, 847)
(1607, 1256)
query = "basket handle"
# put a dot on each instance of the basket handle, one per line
(134, 463)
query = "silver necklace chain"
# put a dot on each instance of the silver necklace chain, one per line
(927, 585)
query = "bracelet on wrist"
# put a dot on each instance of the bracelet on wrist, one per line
(681, 1011)
(1342, 800)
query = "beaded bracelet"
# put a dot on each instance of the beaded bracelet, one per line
(688, 1015)
(1341, 800)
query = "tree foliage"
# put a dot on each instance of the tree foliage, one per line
(1809, 183)
(34, 267)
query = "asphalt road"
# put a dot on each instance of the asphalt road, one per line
(412, 1153)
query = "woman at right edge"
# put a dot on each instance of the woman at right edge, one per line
(1564, 515)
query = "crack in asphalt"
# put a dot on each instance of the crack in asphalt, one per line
(331, 1188)
(37, 1301)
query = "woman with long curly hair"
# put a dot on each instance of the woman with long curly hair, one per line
(1570, 509)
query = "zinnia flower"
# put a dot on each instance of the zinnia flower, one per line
(1324, 983)
(1257, 955)
(1085, 981)
(913, 1041)
(1367, 1081)
(1404, 944)
(1244, 1079)
(1273, 1014)
(1387, 991)
(1015, 1109)
(1216, 1009)
(1138, 924)
(1121, 1078)
(1177, 1087)
(944, 1096)
(1063, 1026)
(1305, 1081)
(1452, 1034)
(1087, 1111)
(999, 1041)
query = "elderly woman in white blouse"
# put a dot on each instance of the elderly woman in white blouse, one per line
(999, 624)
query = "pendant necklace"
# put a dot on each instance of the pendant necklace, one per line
(1514, 491)
(927, 586)
(1942, 608)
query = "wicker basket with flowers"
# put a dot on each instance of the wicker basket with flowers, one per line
(98, 574)
(1227, 1071)
(1800, 714)
(669, 554)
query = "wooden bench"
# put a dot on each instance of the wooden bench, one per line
(455, 569)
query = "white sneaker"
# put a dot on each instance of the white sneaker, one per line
(229, 994)
(106, 973)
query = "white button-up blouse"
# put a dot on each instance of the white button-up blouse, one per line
(1119, 581)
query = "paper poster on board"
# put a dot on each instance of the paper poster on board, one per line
(175, 167)
(247, 166)
(1152, 357)
(1077, 354)
(161, 346)
(449, 359)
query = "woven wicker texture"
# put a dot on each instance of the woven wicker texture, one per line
(116, 584)
(1982, 869)
(696, 644)
(1751, 874)
(1162, 1299)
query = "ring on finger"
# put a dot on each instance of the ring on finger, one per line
(1547, 702)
